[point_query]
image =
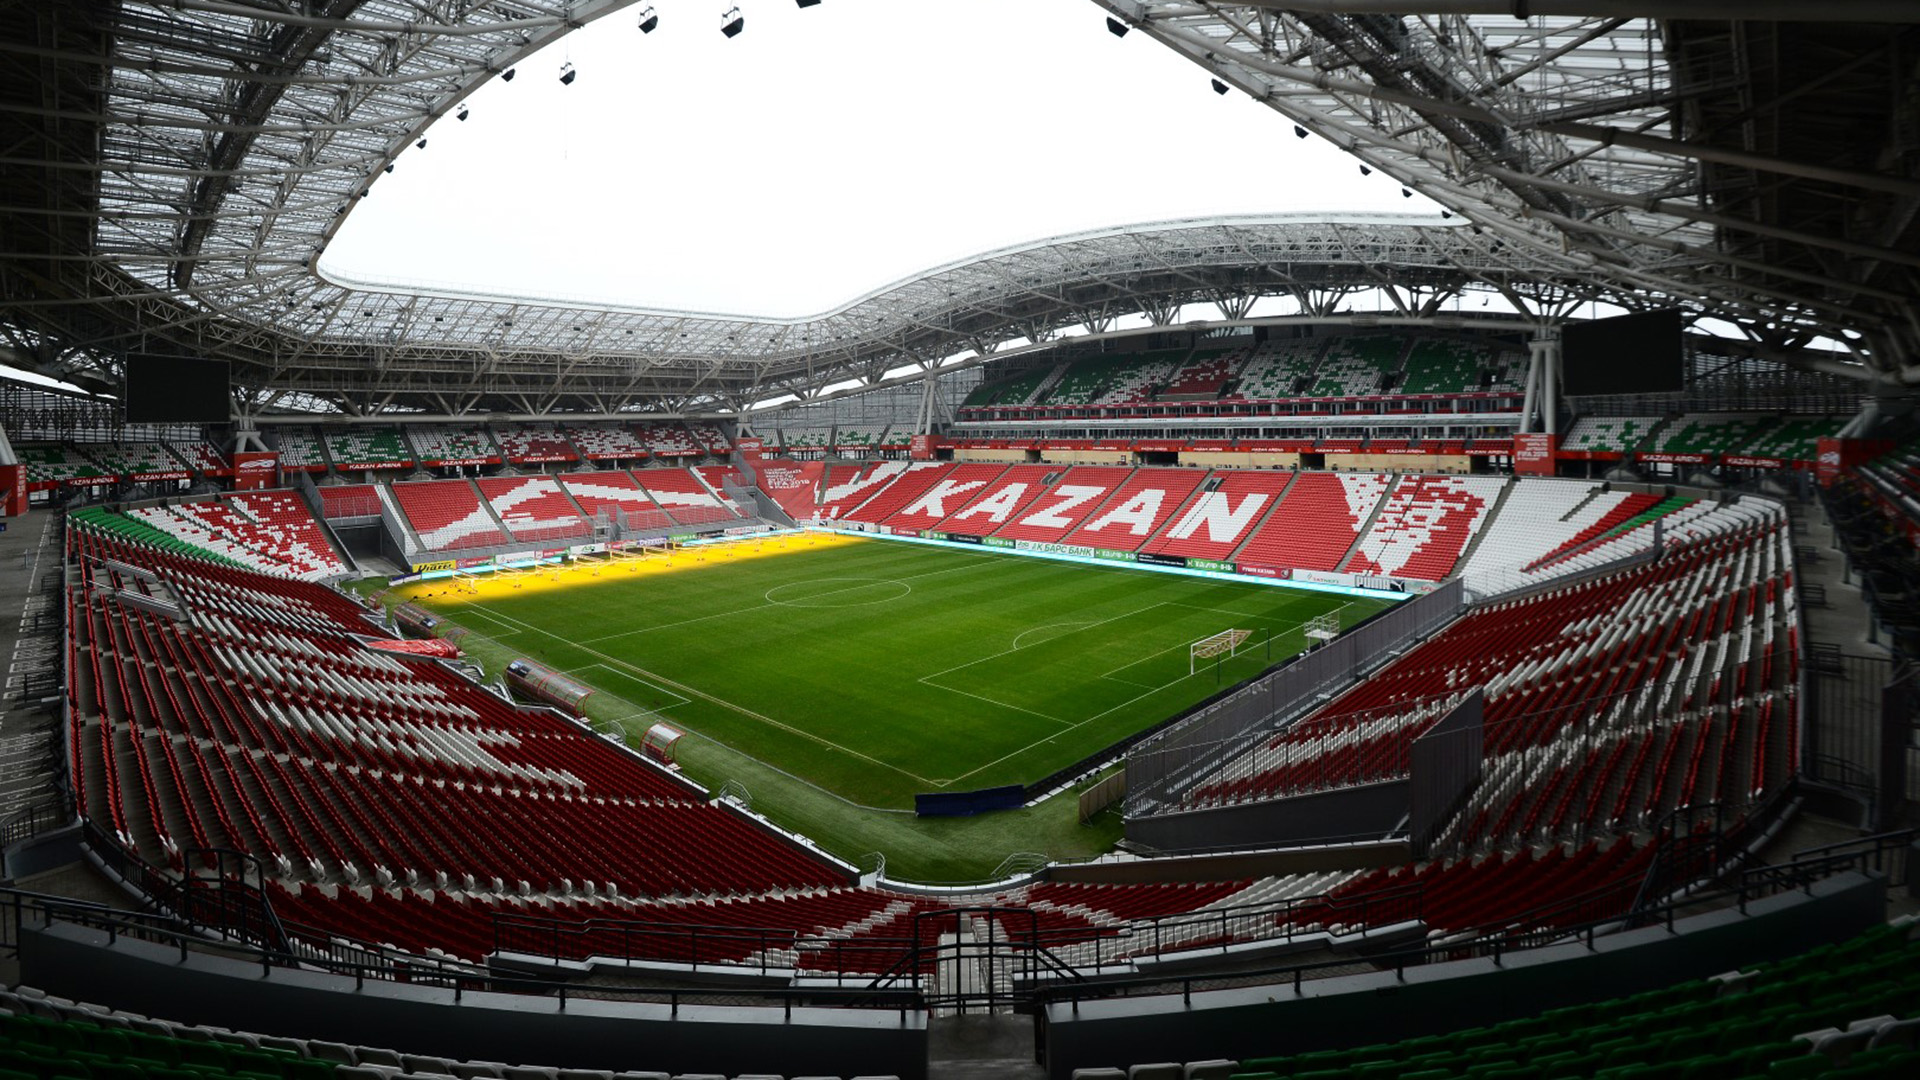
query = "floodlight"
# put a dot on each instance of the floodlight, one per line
(421, 145)
(1219, 87)
(732, 22)
(507, 75)
(1406, 194)
(648, 20)
(567, 73)
(462, 114)
(1116, 27)
(389, 166)
(1364, 171)
(1299, 131)
(807, 3)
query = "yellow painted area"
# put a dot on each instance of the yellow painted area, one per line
(593, 569)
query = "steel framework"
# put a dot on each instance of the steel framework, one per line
(172, 170)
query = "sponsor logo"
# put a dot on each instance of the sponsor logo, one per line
(1260, 571)
(465, 564)
(1743, 462)
(456, 461)
(88, 481)
(1152, 559)
(1080, 550)
(1113, 556)
(956, 538)
(1210, 564)
(170, 475)
(429, 567)
(681, 538)
(255, 464)
(587, 549)
(1676, 459)
(371, 465)
(1323, 577)
(996, 541)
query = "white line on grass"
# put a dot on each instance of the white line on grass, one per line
(1017, 648)
(634, 679)
(1002, 704)
(720, 701)
(474, 609)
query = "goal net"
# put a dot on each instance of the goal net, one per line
(1322, 628)
(1224, 643)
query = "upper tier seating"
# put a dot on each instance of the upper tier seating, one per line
(710, 438)
(533, 443)
(1080, 384)
(1277, 369)
(860, 437)
(1216, 521)
(946, 493)
(1070, 501)
(1795, 439)
(533, 507)
(378, 446)
(1709, 433)
(444, 442)
(666, 439)
(1203, 375)
(1316, 523)
(878, 500)
(54, 463)
(616, 494)
(1137, 510)
(448, 514)
(1425, 525)
(1357, 366)
(998, 502)
(202, 456)
(299, 448)
(1443, 366)
(605, 442)
(684, 496)
(1018, 390)
(1609, 434)
(1131, 380)
(342, 501)
(133, 459)
(805, 438)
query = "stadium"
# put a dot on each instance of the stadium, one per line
(1408, 645)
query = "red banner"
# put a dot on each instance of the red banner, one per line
(255, 471)
(921, 448)
(1836, 456)
(1533, 453)
(751, 449)
(426, 647)
(14, 479)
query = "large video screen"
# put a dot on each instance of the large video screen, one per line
(1631, 354)
(177, 390)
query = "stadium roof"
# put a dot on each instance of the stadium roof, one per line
(176, 169)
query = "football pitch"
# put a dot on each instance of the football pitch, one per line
(877, 669)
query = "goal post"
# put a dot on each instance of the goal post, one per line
(1224, 643)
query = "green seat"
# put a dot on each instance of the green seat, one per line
(1795, 1068)
(1581, 1065)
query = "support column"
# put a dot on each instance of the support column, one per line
(1545, 364)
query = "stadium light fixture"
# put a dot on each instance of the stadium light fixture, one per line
(1299, 131)
(807, 3)
(567, 73)
(462, 114)
(1116, 27)
(421, 145)
(507, 75)
(1364, 171)
(648, 20)
(1219, 87)
(732, 22)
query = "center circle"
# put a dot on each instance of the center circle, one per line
(837, 592)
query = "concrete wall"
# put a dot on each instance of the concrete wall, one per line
(1354, 813)
(1359, 1010)
(519, 1029)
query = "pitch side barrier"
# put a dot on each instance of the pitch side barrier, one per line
(1169, 564)
(1167, 762)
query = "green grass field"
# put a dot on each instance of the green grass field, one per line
(875, 670)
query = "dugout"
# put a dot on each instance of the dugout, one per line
(414, 619)
(535, 680)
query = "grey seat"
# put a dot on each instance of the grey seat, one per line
(1211, 1069)
(1159, 1070)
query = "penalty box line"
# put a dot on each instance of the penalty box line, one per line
(724, 703)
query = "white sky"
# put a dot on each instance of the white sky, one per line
(823, 153)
